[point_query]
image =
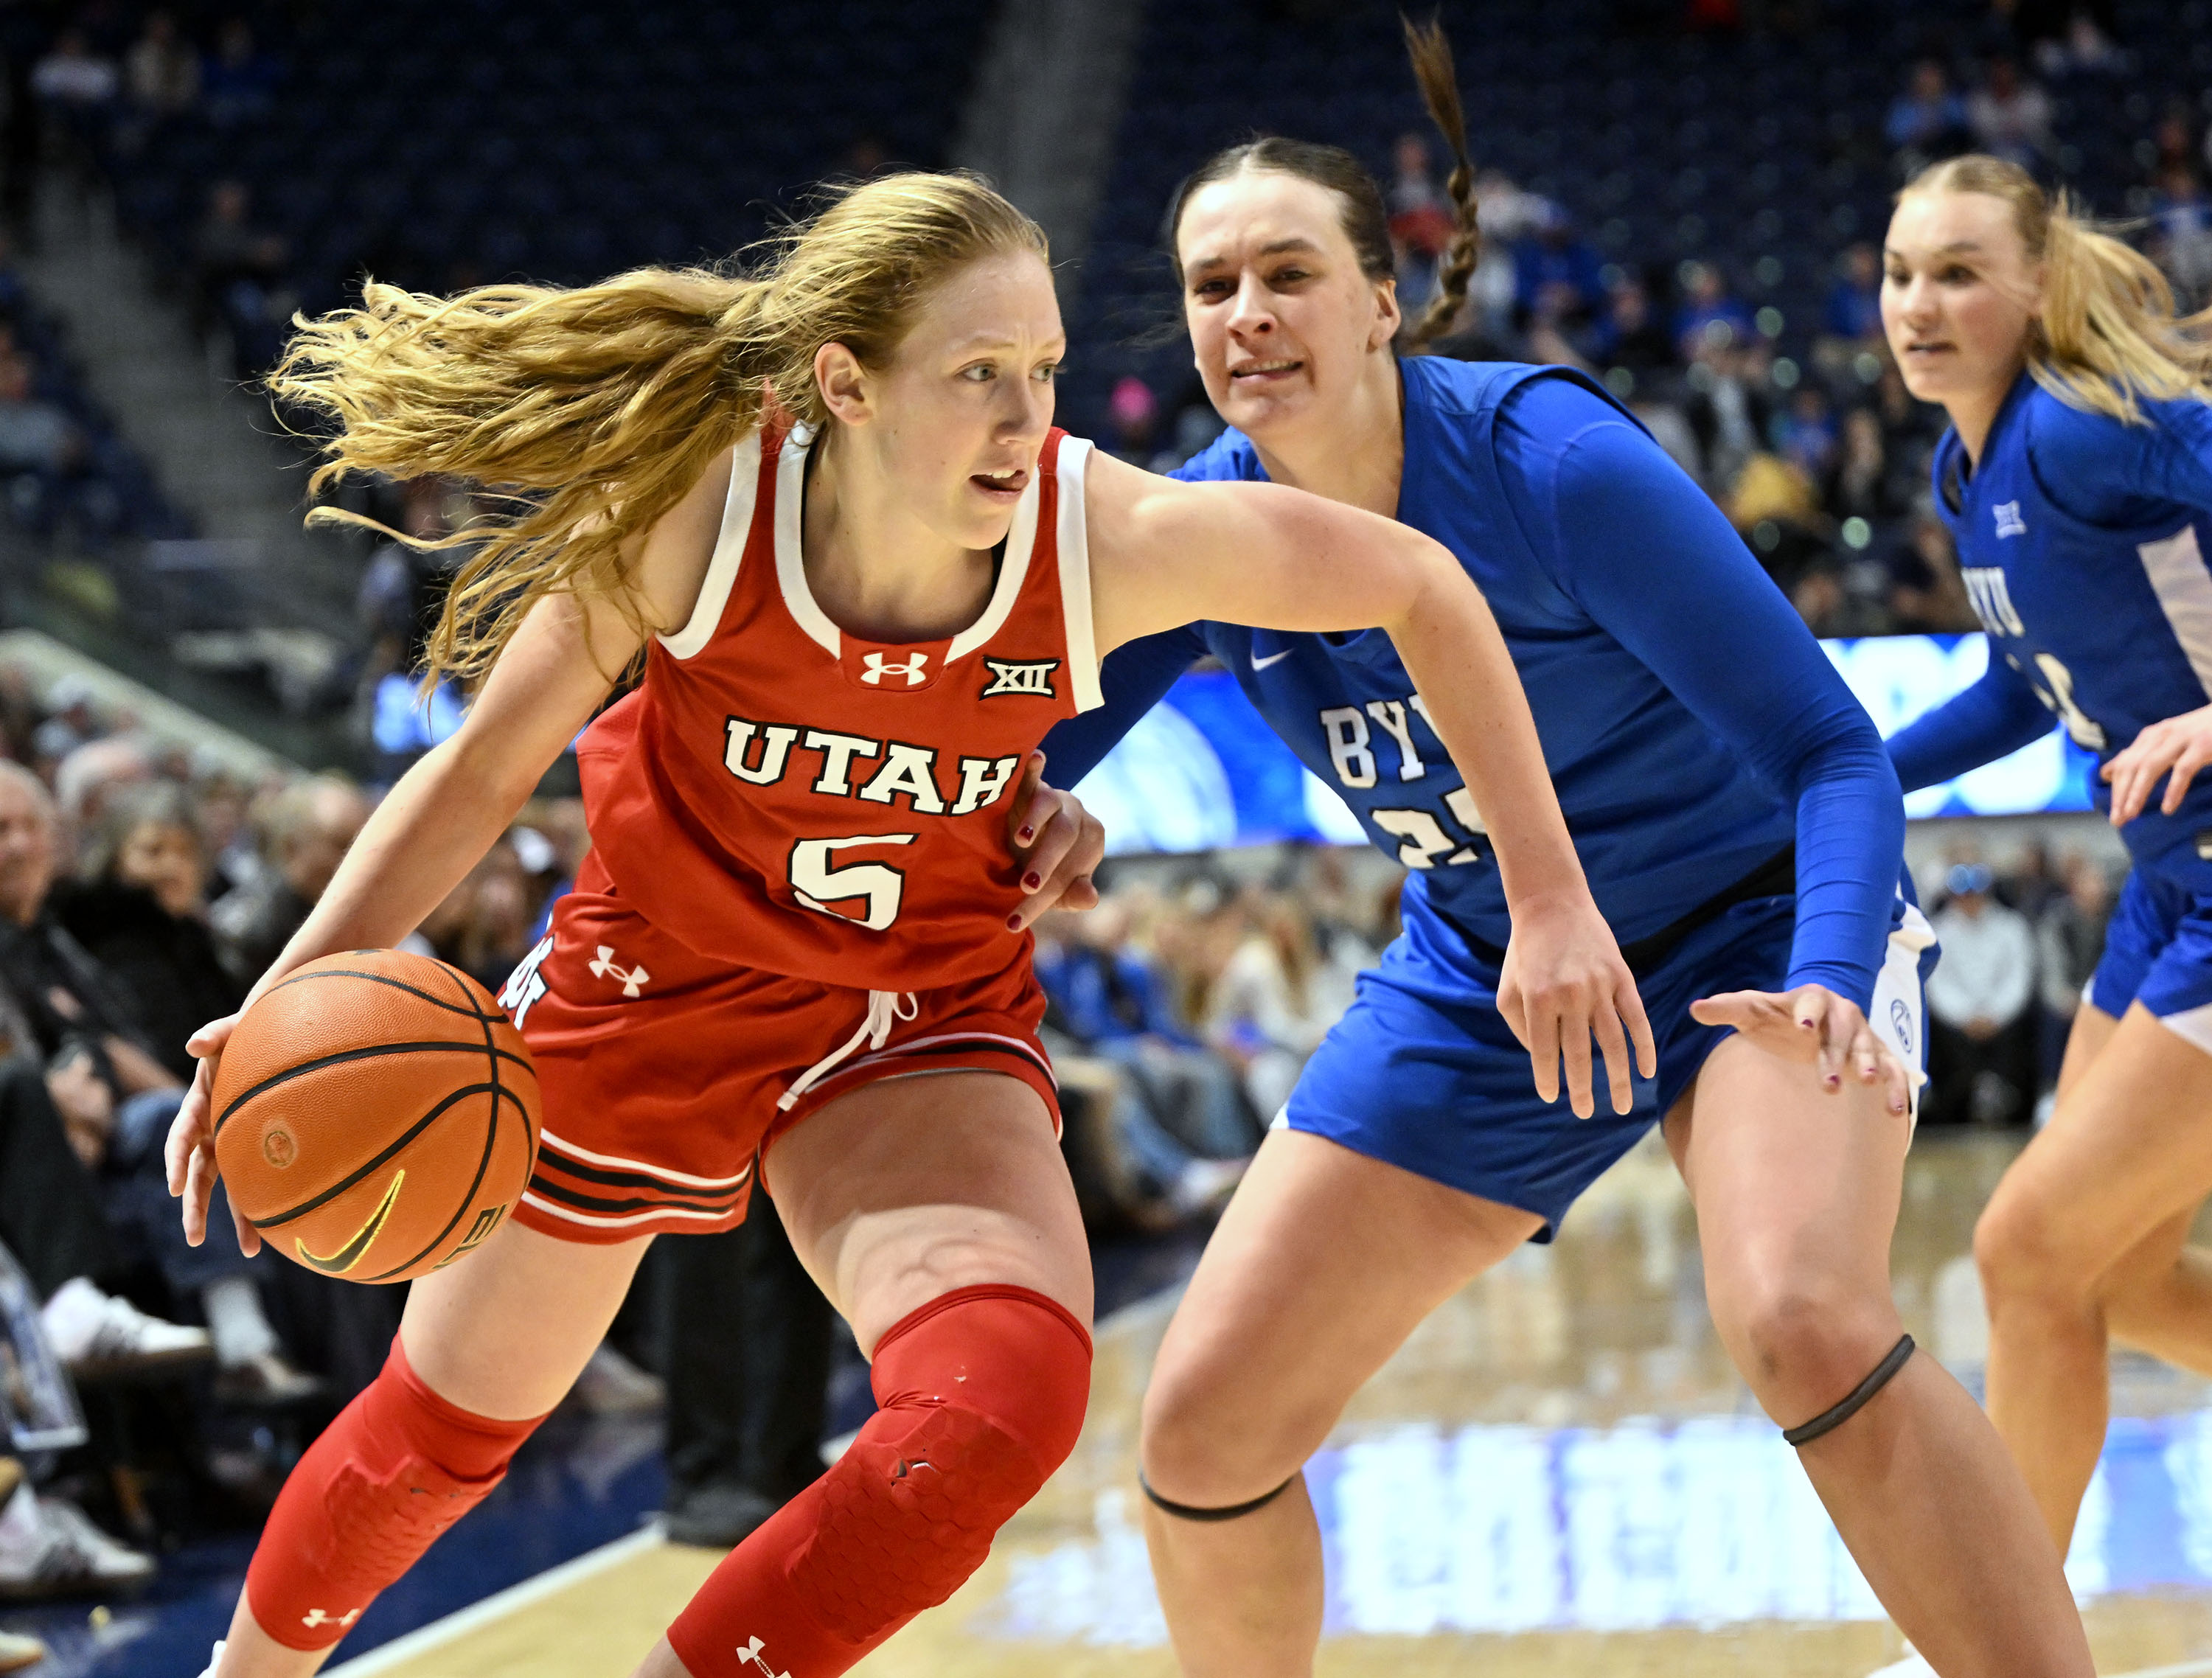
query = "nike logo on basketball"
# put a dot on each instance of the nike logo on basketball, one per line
(751, 1654)
(875, 666)
(606, 967)
(350, 1255)
(1258, 663)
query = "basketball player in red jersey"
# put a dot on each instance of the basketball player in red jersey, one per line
(827, 507)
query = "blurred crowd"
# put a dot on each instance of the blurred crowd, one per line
(2019, 946)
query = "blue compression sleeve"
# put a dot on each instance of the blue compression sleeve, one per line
(1998, 714)
(1131, 681)
(1651, 558)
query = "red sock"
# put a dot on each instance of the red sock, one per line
(982, 1392)
(397, 1468)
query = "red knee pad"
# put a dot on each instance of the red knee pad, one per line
(982, 1392)
(398, 1466)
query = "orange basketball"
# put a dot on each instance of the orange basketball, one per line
(375, 1115)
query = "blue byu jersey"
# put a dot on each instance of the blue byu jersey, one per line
(1693, 727)
(2082, 542)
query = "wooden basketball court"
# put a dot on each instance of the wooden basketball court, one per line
(1559, 1475)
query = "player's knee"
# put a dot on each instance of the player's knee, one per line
(1204, 1442)
(1807, 1341)
(2023, 1252)
(381, 1485)
(983, 1399)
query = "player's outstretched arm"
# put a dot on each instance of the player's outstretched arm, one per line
(1164, 553)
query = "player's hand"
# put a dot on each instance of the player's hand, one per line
(190, 1155)
(1812, 1026)
(1563, 983)
(1059, 842)
(2176, 748)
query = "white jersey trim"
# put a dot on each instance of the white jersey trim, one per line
(790, 553)
(791, 559)
(1074, 541)
(596, 1221)
(615, 1162)
(729, 549)
(2176, 570)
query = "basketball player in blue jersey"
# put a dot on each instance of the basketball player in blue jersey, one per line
(1740, 828)
(2076, 478)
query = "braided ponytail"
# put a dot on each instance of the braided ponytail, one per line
(1430, 51)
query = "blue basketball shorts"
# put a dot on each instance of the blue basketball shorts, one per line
(1422, 1073)
(2157, 951)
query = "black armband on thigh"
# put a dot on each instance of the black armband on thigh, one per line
(1184, 1512)
(1828, 1420)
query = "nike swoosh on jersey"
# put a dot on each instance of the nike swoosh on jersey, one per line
(1258, 663)
(350, 1255)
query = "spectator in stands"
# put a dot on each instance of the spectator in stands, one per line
(1277, 999)
(1709, 317)
(72, 77)
(2181, 233)
(1927, 596)
(1728, 411)
(70, 721)
(1629, 333)
(1865, 482)
(1804, 433)
(35, 436)
(237, 269)
(161, 71)
(2010, 117)
(1132, 411)
(484, 925)
(88, 779)
(2083, 49)
(1927, 121)
(2070, 941)
(310, 826)
(240, 82)
(1556, 270)
(1853, 313)
(1420, 222)
(1981, 1044)
(140, 909)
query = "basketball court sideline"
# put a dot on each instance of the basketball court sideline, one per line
(1560, 1474)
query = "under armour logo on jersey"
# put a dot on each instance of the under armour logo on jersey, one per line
(2009, 523)
(317, 1617)
(1032, 677)
(751, 1654)
(606, 968)
(875, 666)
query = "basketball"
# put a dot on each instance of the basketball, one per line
(375, 1115)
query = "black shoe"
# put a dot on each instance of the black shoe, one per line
(717, 1516)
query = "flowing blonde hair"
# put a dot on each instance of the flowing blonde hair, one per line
(592, 410)
(2109, 335)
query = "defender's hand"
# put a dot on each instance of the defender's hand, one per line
(1060, 843)
(2176, 748)
(190, 1154)
(1564, 982)
(1812, 1026)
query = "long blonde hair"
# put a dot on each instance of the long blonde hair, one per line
(592, 411)
(2108, 335)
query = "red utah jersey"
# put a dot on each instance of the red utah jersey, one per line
(783, 796)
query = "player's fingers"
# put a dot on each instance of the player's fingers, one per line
(1613, 1043)
(1897, 1082)
(1814, 1022)
(1055, 838)
(1865, 1054)
(186, 1130)
(2177, 783)
(249, 1238)
(1025, 816)
(207, 1042)
(1513, 1009)
(1629, 1002)
(200, 1184)
(1575, 1045)
(1733, 1007)
(1543, 1041)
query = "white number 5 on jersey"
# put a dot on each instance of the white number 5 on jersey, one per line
(817, 885)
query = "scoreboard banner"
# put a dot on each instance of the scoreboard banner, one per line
(1202, 769)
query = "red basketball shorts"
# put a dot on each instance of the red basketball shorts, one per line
(665, 1074)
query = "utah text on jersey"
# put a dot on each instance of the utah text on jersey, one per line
(763, 753)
